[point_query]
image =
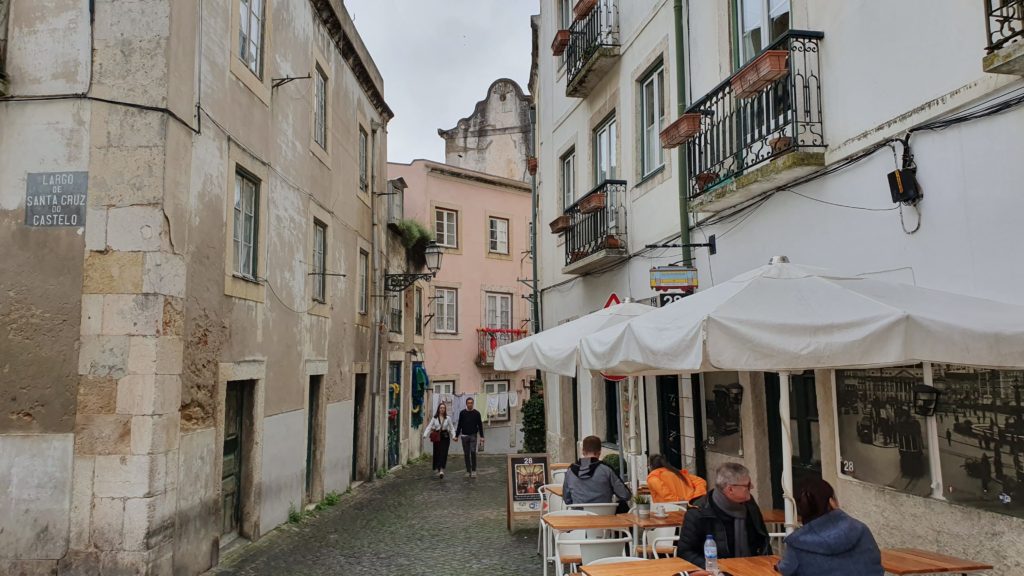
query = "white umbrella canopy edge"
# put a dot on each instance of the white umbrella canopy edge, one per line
(556, 349)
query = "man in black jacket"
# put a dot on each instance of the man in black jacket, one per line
(470, 426)
(729, 514)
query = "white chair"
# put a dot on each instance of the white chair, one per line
(590, 549)
(549, 503)
(664, 545)
(570, 554)
(558, 476)
(616, 560)
(651, 535)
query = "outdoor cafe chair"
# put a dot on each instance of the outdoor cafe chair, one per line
(549, 503)
(590, 548)
(615, 560)
(558, 476)
(601, 509)
(571, 556)
(651, 534)
(664, 546)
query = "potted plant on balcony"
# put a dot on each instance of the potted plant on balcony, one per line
(705, 179)
(560, 42)
(582, 8)
(560, 224)
(685, 127)
(780, 144)
(612, 242)
(760, 73)
(531, 165)
(593, 203)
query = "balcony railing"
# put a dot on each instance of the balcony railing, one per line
(589, 38)
(490, 339)
(592, 230)
(738, 134)
(1004, 22)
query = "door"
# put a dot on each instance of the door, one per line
(803, 426)
(312, 428)
(231, 475)
(357, 419)
(394, 412)
(611, 412)
(700, 449)
(668, 420)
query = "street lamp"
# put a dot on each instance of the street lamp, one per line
(399, 282)
(926, 398)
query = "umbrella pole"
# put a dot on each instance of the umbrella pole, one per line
(787, 453)
(935, 466)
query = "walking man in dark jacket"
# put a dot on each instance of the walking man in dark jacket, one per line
(591, 481)
(730, 515)
(470, 426)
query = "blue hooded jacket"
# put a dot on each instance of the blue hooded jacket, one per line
(834, 544)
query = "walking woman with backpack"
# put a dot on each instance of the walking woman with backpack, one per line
(440, 430)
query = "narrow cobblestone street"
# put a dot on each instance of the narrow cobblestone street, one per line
(406, 524)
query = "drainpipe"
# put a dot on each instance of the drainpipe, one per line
(533, 219)
(684, 206)
(374, 287)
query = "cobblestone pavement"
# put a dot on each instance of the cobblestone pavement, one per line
(407, 524)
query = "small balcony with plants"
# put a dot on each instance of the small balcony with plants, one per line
(1004, 28)
(759, 129)
(490, 339)
(595, 229)
(591, 45)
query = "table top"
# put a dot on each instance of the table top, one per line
(914, 561)
(774, 516)
(556, 490)
(587, 521)
(559, 465)
(672, 519)
(753, 566)
(660, 567)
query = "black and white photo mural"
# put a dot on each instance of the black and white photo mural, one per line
(722, 424)
(980, 433)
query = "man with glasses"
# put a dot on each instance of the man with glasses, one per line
(730, 515)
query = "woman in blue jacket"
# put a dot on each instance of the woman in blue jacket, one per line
(830, 542)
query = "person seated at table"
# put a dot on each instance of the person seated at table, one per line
(830, 541)
(590, 481)
(670, 484)
(730, 515)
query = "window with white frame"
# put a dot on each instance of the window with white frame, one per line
(319, 261)
(320, 109)
(446, 227)
(363, 158)
(498, 310)
(250, 35)
(444, 387)
(364, 280)
(565, 18)
(497, 387)
(246, 225)
(446, 310)
(754, 18)
(568, 178)
(604, 152)
(497, 230)
(652, 119)
(396, 318)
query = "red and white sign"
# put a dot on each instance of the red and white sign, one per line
(612, 301)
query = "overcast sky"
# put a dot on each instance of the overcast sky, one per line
(438, 57)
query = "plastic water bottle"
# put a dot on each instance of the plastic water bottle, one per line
(711, 555)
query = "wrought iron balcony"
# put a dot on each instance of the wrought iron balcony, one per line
(755, 117)
(1004, 27)
(596, 236)
(489, 339)
(593, 48)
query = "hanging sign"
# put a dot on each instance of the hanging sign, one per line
(683, 278)
(526, 474)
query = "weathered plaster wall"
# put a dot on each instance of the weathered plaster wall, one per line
(496, 137)
(338, 452)
(282, 482)
(36, 501)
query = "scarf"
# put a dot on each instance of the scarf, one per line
(738, 513)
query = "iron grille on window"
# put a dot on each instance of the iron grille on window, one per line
(598, 29)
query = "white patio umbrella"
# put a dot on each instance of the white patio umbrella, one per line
(556, 349)
(784, 317)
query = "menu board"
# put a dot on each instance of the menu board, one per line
(526, 474)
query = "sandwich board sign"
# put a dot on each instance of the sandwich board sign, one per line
(526, 474)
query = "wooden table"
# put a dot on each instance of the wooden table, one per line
(774, 516)
(670, 520)
(661, 567)
(587, 522)
(559, 466)
(914, 561)
(556, 490)
(752, 566)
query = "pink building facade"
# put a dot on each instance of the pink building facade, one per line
(476, 302)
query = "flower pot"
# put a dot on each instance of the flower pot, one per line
(560, 224)
(582, 8)
(612, 242)
(705, 179)
(643, 510)
(577, 256)
(531, 165)
(593, 203)
(780, 144)
(685, 127)
(560, 42)
(760, 73)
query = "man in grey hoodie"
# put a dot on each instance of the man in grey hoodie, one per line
(591, 481)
